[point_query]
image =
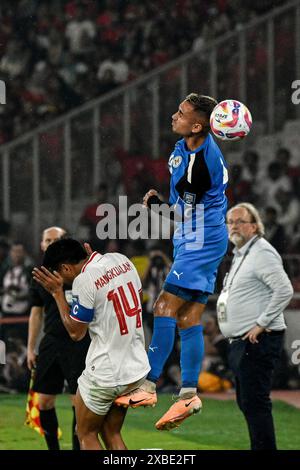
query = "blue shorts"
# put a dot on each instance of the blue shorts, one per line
(190, 295)
(196, 270)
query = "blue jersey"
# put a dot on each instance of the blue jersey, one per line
(197, 188)
(200, 177)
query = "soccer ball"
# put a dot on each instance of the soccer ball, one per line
(230, 120)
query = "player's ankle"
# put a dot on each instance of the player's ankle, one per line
(187, 392)
(149, 386)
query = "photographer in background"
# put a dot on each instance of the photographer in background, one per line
(15, 292)
(152, 266)
(158, 267)
(154, 277)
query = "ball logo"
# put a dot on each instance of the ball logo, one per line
(219, 116)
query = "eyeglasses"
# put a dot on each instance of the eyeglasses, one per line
(239, 222)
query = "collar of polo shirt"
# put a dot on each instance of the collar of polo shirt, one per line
(241, 251)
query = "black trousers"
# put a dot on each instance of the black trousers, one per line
(253, 366)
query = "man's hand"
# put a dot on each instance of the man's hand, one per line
(151, 192)
(52, 282)
(253, 334)
(31, 359)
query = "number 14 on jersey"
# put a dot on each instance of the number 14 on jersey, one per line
(122, 306)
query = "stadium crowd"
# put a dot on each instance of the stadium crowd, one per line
(57, 55)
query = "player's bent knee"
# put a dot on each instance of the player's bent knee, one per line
(163, 308)
(190, 315)
(46, 402)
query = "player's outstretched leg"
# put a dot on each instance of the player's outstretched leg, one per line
(160, 348)
(191, 355)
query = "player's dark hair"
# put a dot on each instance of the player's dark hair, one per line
(204, 106)
(65, 250)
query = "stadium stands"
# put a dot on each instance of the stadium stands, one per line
(57, 55)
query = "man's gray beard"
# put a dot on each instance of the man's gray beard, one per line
(237, 239)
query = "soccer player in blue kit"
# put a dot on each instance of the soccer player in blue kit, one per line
(198, 182)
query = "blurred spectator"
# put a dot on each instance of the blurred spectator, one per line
(215, 375)
(15, 292)
(137, 253)
(274, 232)
(216, 346)
(89, 219)
(15, 374)
(288, 211)
(272, 182)
(4, 259)
(158, 267)
(107, 82)
(15, 59)
(113, 246)
(239, 190)
(283, 157)
(78, 29)
(251, 169)
(116, 65)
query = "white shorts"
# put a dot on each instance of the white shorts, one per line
(99, 399)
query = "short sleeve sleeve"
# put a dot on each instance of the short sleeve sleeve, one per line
(83, 298)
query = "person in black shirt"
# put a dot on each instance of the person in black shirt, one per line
(59, 358)
(275, 232)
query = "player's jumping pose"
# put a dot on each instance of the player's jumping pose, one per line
(197, 191)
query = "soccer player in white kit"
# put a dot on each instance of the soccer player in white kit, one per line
(106, 292)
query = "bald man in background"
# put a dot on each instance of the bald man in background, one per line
(59, 358)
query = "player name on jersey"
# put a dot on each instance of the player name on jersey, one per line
(112, 273)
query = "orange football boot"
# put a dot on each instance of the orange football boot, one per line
(145, 395)
(185, 406)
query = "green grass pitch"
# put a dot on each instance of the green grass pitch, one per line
(219, 426)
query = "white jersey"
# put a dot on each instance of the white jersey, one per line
(106, 295)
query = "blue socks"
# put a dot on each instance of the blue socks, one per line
(161, 346)
(191, 355)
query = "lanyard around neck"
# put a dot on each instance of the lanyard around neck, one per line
(239, 266)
